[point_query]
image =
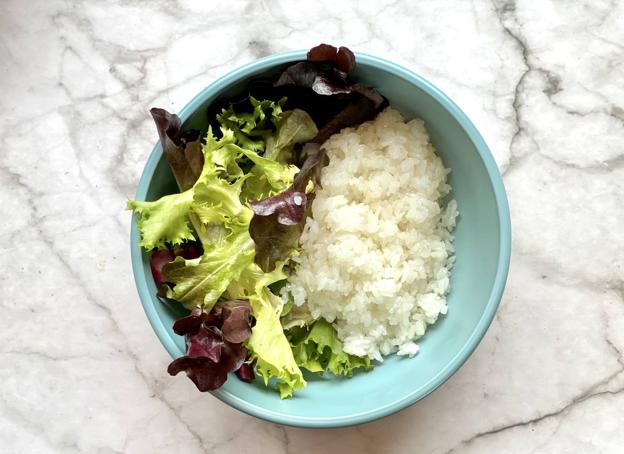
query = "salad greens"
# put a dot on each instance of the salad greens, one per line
(219, 200)
(268, 344)
(317, 348)
(276, 227)
(202, 281)
(183, 155)
(222, 245)
(212, 351)
(164, 220)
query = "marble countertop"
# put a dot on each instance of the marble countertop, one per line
(80, 368)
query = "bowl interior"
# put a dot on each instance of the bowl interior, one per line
(482, 255)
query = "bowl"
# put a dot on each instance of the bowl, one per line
(482, 243)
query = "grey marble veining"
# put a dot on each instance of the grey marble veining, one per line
(81, 370)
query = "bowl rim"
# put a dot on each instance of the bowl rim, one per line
(504, 254)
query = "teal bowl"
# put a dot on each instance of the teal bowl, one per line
(482, 243)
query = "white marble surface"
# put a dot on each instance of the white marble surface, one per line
(80, 368)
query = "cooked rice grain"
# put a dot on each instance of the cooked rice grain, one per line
(376, 256)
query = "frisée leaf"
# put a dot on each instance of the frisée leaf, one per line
(268, 345)
(295, 127)
(164, 220)
(201, 281)
(317, 348)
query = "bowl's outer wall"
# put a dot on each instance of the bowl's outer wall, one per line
(482, 243)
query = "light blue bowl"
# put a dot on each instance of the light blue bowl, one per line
(482, 243)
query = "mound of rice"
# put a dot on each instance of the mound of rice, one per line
(377, 253)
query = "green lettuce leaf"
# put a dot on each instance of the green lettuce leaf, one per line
(253, 280)
(317, 348)
(217, 201)
(202, 281)
(246, 136)
(169, 219)
(212, 199)
(164, 220)
(270, 348)
(268, 344)
(296, 316)
(278, 176)
(251, 128)
(223, 154)
(295, 126)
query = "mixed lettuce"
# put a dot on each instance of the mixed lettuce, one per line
(268, 344)
(214, 345)
(316, 347)
(217, 206)
(222, 245)
(183, 154)
(321, 87)
(276, 227)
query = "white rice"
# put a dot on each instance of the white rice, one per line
(377, 253)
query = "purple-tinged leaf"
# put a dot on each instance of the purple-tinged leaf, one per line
(236, 316)
(345, 60)
(206, 374)
(210, 354)
(184, 156)
(189, 324)
(205, 343)
(311, 75)
(158, 260)
(323, 77)
(323, 85)
(288, 205)
(322, 52)
(274, 241)
(209, 359)
(342, 58)
(300, 74)
(314, 159)
(246, 373)
(364, 104)
(190, 250)
(232, 357)
(276, 227)
(160, 257)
